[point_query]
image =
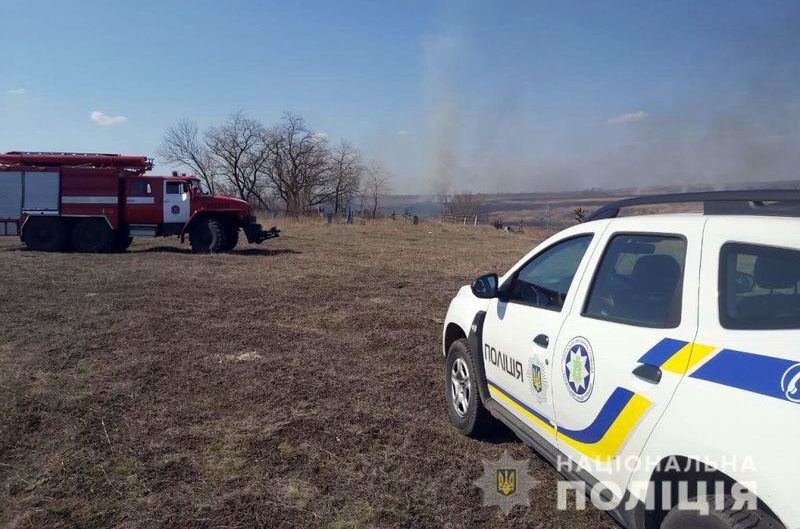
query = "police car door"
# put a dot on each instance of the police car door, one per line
(521, 325)
(750, 323)
(626, 343)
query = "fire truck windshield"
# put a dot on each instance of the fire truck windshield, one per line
(200, 187)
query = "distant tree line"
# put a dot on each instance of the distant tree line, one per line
(285, 166)
(463, 205)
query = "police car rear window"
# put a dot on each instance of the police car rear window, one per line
(759, 287)
(639, 281)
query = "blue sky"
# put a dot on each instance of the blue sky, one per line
(485, 96)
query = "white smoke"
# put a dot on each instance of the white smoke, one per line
(440, 54)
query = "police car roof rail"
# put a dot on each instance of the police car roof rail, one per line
(770, 202)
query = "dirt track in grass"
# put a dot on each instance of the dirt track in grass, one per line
(293, 384)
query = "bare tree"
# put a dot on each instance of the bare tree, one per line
(288, 163)
(464, 205)
(376, 186)
(346, 170)
(298, 168)
(579, 214)
(183, 146)
(241, 155)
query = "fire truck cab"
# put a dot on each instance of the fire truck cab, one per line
(100, 202)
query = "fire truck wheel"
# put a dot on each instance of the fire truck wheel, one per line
(231, 237)
(122, 243)
(207, 236)
(93, 236)
(45, 234)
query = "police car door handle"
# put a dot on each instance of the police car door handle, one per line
(648, 373)
(542, 341)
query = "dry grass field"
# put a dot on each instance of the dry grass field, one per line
(293, 384)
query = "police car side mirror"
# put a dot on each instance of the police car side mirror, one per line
(485, 287)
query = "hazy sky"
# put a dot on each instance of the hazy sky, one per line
(482, 96)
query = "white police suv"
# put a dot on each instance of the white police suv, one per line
(654, 358)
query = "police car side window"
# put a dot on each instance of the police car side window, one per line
(544, 281)
(639, 281)
(758, 287)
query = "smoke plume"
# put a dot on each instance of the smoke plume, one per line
(739, 126)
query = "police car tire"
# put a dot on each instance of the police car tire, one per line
(477, 421)
(726, 518)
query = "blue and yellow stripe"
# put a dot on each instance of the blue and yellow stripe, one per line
(604, 437)
(624, 409)
(499, 394)
(676, 356)
(751, 372)
(747, 371)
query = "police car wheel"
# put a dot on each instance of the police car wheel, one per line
(725, 518)
(464, 406)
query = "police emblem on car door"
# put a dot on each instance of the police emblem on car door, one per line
(536, 378)
(578, 369)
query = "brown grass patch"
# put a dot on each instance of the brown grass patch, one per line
(293, 384)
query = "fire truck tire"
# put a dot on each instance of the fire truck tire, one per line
(207, 235)
(45, 234)
(93, 236)
(231, 236)
(122, 243)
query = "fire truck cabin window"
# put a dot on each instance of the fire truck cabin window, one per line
(174, 188)
(140, 187)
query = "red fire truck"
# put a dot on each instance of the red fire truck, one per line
(100, 202)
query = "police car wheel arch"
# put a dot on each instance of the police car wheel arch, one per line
(475, 342)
